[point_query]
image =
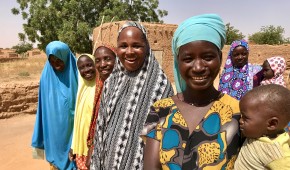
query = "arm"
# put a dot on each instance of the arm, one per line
(151, 154)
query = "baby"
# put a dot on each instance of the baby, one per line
(265, 112)
(273, 69)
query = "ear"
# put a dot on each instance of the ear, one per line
(273, 123)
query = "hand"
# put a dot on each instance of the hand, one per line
(88, 161)
(71, 156)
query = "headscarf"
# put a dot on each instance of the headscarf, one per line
(56, 105)
(278, 65)
(125, 104)
(207, 27)
(97, 100)
(237, 81)
(83, 115)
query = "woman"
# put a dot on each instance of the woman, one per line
(56, 105)
(238, 74)
(105, 57)
(136, 82)
(84, 108)
(198, 127)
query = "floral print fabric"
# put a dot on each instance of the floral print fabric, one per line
(213, 144)
(278, 65)
(237, 81)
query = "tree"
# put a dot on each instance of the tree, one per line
(72, 21)
(232, 34)
(23, 46)
(268, 35)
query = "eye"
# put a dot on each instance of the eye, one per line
(187, 59)
(122, 46)
(107, 59)
(209, 57)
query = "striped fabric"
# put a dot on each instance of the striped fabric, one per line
(258, 154)
(125, 104)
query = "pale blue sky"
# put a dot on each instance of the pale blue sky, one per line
(247, 15)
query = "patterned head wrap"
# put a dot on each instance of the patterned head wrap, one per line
(278, 65)
(237, 81)
(207, 27)
(125, 103)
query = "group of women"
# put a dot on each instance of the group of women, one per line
(126, 116)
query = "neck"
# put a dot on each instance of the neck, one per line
(200, 97)
(275, 134)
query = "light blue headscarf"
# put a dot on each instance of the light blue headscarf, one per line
(207, 27)
(56, 106)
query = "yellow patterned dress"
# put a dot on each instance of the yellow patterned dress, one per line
(214, 144)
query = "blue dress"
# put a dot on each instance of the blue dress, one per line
(56, 106)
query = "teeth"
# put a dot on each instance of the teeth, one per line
(199, 78)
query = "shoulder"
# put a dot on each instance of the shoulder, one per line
(230, 102)
(255, 68)
(166, 102)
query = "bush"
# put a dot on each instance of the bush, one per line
(24, 74)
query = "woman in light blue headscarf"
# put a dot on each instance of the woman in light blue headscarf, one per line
(198, 127)
(56, 105)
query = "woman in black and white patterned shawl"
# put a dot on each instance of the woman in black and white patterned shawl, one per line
(126, 100)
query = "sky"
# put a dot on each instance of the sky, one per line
(248, 16)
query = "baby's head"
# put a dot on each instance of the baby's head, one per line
(265, 111)
(273, 67)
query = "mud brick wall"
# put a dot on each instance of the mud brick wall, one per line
(18, 99)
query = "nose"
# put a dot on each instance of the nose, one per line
(129, 50)
(103, 63)
(240, 56)
(198, 65)
(241, 121)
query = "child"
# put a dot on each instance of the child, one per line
(274, 68)
(265, 112)
(84, 108)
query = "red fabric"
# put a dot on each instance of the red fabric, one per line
(92, 129)
(81, 162)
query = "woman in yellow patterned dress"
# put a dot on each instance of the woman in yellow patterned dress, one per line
(198, 127)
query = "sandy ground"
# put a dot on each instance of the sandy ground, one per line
(15, 139)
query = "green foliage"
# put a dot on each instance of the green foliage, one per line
(232, 34)
(72, 21)
(269, 35)
(22, 48)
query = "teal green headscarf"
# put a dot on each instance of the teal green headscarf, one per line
(207, 27)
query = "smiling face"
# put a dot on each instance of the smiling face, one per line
(267, 71)
(199, 63)
(132, 48)
(240, 56)
(56, 63)
(105, 61)
(253, 123)
(86, 67)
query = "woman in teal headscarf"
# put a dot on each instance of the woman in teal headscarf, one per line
(198, 127)
(56, 105)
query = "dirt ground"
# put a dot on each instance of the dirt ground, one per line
(15, 152)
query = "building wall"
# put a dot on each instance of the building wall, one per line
(10, 53)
